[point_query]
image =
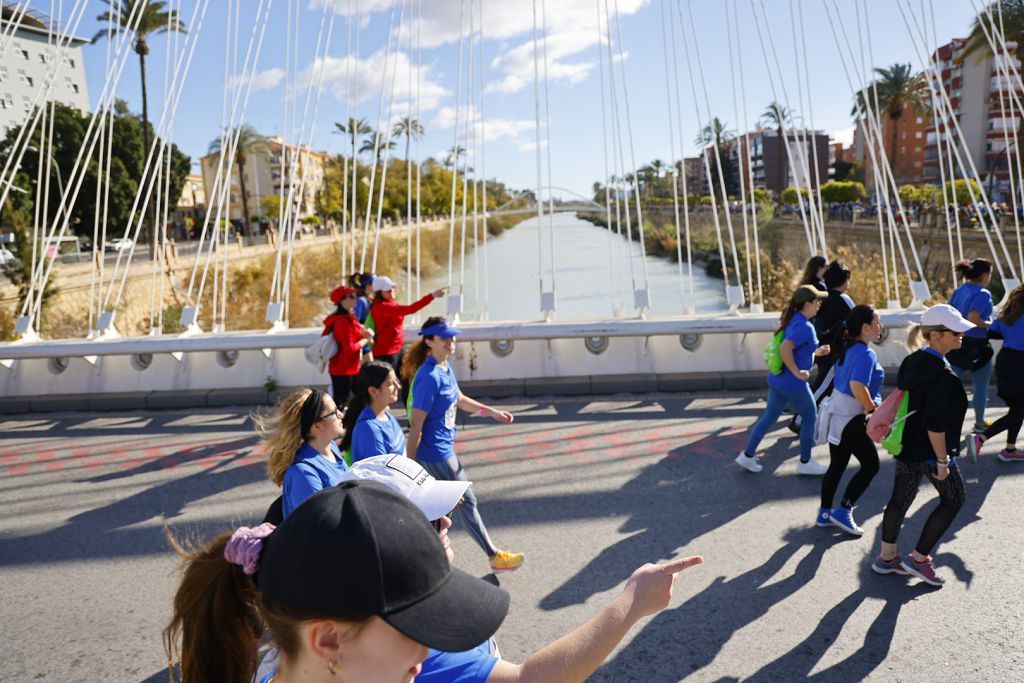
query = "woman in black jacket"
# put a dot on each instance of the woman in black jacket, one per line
(931, 440)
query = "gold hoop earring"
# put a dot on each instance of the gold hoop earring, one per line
(332, 666)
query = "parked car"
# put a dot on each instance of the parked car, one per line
(6, 256)
(119, 244)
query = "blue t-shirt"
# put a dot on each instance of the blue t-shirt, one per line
(371, 436)
(471, 666)
(971, 297)
(801, 332)
(1013, 335)
(309, 472)
(860, 364)
(362, 309)
(435, 392)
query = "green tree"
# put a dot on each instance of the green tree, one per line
(126, 167)
(250, 145)
(154, 19)
(789, 196)
(963, 195)
(899, 89)
(842, 191)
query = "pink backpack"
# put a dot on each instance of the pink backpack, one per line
(881, 421)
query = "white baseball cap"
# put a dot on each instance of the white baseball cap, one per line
(944, 315)
(433, 497)
(382, 283)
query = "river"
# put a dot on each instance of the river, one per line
(592, 275)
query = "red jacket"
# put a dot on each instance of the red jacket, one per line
(347, 332)
(388, 316)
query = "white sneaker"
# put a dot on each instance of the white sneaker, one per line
(748, 463)
(811, 467)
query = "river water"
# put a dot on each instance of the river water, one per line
(593, 276)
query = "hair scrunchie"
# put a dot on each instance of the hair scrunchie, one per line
(245, 545)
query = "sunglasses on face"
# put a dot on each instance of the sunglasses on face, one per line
(952, 332)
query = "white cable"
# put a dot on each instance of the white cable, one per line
(749, 161)
(612, 261)
(744, 148)
(672, 152)
(547, 143)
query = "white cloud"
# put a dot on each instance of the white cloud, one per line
(359, 80)
(844, 135)
(262, 80)
(571, 29)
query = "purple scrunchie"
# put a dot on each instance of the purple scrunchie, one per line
(245, 545)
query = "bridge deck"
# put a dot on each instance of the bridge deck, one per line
(588, 487)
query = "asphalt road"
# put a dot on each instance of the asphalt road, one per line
(588, 488)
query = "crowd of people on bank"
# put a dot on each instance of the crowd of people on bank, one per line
(349, 575)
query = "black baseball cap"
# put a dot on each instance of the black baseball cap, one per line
(359, 550)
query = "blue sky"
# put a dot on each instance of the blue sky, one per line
(574, 83)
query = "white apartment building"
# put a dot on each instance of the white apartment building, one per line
(29, 61)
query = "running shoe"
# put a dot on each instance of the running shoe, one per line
(748, 462)
(812, 467)
(823, 517)
(890, 566)
(504, 561)
(842, 517)
(1007, 455)
(923, 570)
(979, 427)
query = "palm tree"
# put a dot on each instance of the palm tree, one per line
(154, 19)
(409, 128)
(898, 89)
(376, 144)
(775, 117)
(250, 144)
(451, 159)
(718, 133)
(353, 130)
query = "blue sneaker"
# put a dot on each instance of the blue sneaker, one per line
(843, 518)
(823, 517)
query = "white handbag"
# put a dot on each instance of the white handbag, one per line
(321, 351)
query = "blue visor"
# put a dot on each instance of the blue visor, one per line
(440, 330)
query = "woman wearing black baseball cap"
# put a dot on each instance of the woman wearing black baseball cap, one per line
(353, 586)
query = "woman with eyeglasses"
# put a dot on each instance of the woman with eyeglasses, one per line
(931, 442)
(299, 437)
(353, 342)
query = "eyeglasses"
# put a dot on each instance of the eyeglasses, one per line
(334, 413)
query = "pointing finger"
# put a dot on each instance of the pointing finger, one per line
(676, 566)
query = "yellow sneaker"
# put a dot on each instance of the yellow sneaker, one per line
(504, 561)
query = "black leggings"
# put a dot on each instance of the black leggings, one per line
(908, 478)
(854, 441)
(341, 388)
(1011, 422)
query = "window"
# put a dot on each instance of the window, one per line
(917, 135)
(3, 73)
(71, 85)
(26, 104)
(42, 58)
(8, 101)
(20, 51)
(69, 62)
(903, 135)
(919, 120)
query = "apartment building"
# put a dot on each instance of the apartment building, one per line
(264, 176)
(29, 63)
(975, 89)
(769, 158)
(906, 152)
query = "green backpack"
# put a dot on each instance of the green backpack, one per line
(894, 441)
(772, 354)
